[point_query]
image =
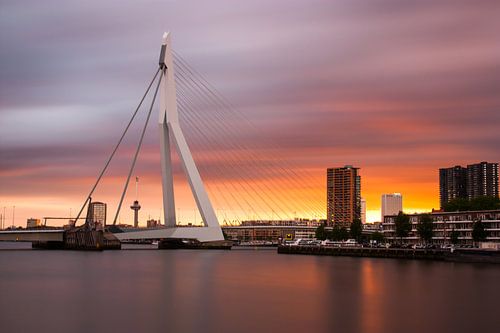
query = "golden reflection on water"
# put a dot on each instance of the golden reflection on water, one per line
(372, 282)
(240, 291)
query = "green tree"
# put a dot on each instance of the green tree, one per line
(459, 204)
(335, 235)
(425, 228)
(478, 231)
(339, 233)
(321, 232)
(356, 229)
(454, 236)
(485, 203)
(344, 234)
(403, 225)
(479, 203)
(378, 237)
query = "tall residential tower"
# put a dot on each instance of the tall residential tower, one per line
(343, 195)
(482, 180)
(476, 180)
(452, 184)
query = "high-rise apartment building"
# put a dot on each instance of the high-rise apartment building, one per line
(482, 180)
(343, 195)
(476, 180)
(392, 204)
(452, 184)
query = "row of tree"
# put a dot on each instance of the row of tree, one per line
(425, 229)
(341, 233)
(480, 203)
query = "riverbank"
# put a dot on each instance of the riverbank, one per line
(458, 255)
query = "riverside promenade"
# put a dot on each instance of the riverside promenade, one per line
(458, 255)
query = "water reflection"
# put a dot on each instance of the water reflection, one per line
(240, 291)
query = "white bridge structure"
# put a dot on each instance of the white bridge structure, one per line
(249, 183)
(171, 135)
(211, 119)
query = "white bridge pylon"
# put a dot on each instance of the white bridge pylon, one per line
(170, 130)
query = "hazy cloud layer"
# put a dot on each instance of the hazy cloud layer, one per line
(383, 84)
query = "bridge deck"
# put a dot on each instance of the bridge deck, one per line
(32, 235)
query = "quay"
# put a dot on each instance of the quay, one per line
(79, 238)
(458, 255)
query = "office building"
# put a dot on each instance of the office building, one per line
(343, 195)
(392, 204)
(482, 180)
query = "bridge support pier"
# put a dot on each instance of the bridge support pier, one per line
(81, 239)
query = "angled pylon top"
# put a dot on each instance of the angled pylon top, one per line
(171, 130)
(168, 105)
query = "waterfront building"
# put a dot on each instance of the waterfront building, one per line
(305, 233)
(343, 195)
(295, 222)
(392, 204)
(33, 223)
(482, 180)
(446, 222)
(98, 213)
(363, 211)
(372, 227)
(273, 233)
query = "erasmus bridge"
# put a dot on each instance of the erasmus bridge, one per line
(247, 182)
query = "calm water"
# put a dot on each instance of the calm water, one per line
(241, 291)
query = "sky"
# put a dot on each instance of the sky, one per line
(396, 88)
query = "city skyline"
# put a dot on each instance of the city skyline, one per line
(399, 101)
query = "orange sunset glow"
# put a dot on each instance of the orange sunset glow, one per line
(397, 91)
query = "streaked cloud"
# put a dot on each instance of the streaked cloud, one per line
(397, 88)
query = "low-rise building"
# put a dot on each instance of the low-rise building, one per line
(267, 232)
(294, 222)
(445, 223)
(33, 223)
(152, 223)
(375, 226)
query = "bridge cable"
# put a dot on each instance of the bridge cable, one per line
(235, 160)
(227, 105)
(116, 147)
(137, 150)
(227, 130)
(202, 152)
(240, 147)
(203, 144)
(221, 102)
